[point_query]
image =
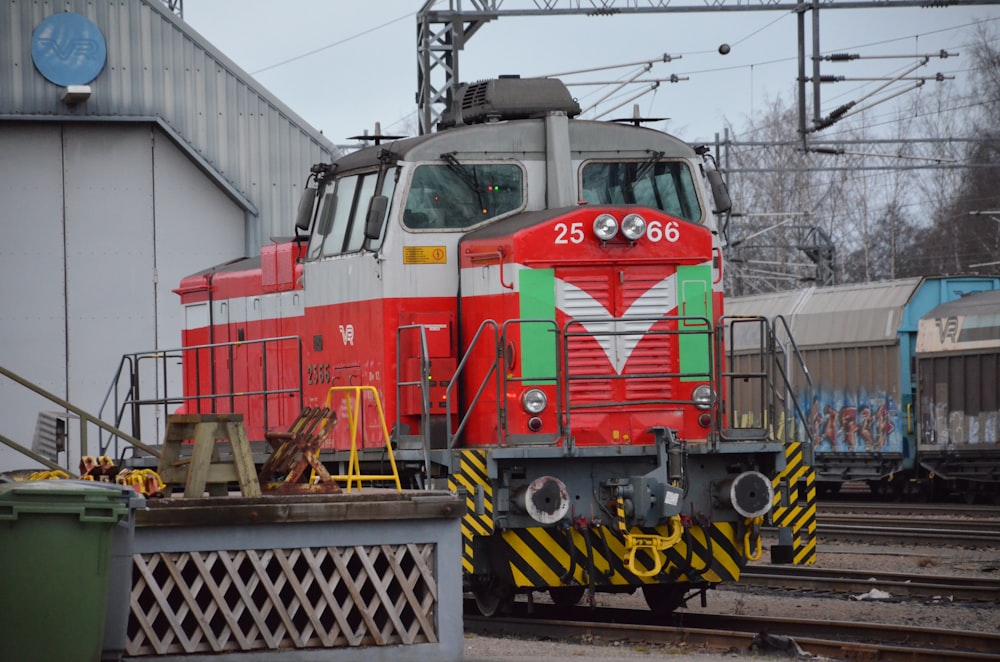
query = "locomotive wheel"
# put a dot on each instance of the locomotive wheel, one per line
(664, 599)
(566, 596)
(492, 597)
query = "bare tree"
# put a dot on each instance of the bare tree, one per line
(881, 221)
(963, 236)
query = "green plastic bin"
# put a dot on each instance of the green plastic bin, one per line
(55, 552)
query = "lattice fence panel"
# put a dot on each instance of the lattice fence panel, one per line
(279, 599)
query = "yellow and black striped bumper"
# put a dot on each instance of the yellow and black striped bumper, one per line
(473, 479)
(540, 557)
(795, 503)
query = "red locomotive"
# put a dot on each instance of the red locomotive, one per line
(534, 302)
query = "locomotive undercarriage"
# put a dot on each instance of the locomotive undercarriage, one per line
(585, 534)
(596, 545)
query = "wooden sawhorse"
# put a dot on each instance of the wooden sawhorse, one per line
(297, 450)
(202, 468)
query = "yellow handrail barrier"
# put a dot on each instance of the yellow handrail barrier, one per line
(353, 415)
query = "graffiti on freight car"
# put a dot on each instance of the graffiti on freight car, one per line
(946, 428)
(841, 423)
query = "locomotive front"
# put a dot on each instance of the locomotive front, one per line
(538, 301)
(591, 436)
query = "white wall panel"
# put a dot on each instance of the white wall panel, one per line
(32, 297)
(138, 216)
(109, 253)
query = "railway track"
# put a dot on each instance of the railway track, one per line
(926, 524)
(892, 526)
(909, 509)
(897, 585)
(909, 530)
(725, 632)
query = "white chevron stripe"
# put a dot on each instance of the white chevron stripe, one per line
(657, 301)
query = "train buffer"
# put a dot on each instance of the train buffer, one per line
(296, 450)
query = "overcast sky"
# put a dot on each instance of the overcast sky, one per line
(342, 65)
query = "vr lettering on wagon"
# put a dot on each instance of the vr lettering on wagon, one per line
(347, 334)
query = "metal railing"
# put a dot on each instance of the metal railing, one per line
(126, 398)
(754, 382)
(748, 400)
(85, 421)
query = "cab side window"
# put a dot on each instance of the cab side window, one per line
(346, 189)
(365, 191)
(343, 211)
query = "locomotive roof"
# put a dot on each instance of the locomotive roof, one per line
(237, 265)
(490, 139)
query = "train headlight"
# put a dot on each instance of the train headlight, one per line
(534, 401)
(703, 396)
(633, 226)
(605, 227)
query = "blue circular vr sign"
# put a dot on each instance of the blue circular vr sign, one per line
(68, 49)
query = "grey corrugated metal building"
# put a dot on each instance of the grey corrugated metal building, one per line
(132, 153)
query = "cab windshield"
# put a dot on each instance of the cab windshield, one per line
(456, 195)
(663, 185)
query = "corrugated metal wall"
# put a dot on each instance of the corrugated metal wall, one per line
(159, 67)
(176, 162)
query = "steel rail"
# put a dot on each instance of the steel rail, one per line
(898, 585)
(954, 510)
(912, 535)
(836, 639)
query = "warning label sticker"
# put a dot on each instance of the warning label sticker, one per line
(424, 255)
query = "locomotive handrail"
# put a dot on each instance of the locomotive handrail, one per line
(493, 371)
(567, 334)
(727, 376)
(132, 398)
(556, 378)
(483, 256)
(772, 375)
(422, 383)
(799, 413)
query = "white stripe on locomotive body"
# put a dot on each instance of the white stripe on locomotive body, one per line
(349, 278)
(240, 310)
(657, 301)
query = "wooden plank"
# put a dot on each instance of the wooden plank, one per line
(356, 601)
(201, 459)
(420, 609)
(246, 471)
(169, 467)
